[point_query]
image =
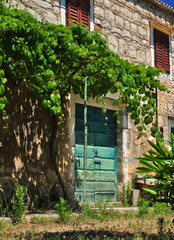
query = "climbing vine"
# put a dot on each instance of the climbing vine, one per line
(51, 59)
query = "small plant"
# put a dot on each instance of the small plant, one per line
(160, 208)
(160, 162)
(64, 214)
(161, 228)
(3, 224)
(19, 205)
(163, 233)
(81, 237)
(127, 195)
(87, 213)
(143, 207)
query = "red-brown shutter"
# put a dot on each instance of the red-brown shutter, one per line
(72, 11)
(85, 13)
(166, 52)
(161, 43)
(78, 11)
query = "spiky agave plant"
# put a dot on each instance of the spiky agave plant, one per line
(160, 162)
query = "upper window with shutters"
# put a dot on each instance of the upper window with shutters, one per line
(78, 11)
(161, 48)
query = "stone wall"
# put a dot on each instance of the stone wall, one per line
(127, 26)
(25, 147)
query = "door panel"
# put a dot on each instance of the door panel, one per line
(101, 174)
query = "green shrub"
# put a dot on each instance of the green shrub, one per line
(127, 194)
(143, 207)
(62, 210)
(160, 208)
(19, 205)
(160, 162)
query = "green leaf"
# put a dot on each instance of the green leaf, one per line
(56, 110)
(104, 110)
(52, 58)
(51, 84)
(2, 73)
(2, 89)
(150, 191)
(55, 97)
(46, 103)
(116, 102)
(4, 100)
(3, 80)
(2, 106)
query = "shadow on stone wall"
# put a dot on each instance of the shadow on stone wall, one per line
(25, 148)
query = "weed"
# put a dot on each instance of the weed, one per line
(64, 214)
(160, 208)
(80, 237)
(3, 224)
(161, 227)
(19, 205)
(127, 194)
(87, 213)
(143, 207)
(130, 214)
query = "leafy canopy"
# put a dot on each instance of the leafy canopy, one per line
(51, 60)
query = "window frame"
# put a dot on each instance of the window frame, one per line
(63, 13)
(167, 31)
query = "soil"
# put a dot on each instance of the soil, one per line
(119, 227)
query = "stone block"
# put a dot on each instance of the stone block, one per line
(49, 17)
(97, 22)
(56, 9)
(99, 13)
(110, 17)
(127, 25)
(132, 52)
(119, 21)
(107, 4)
(141, 31)
(99, 2)
(128, 13)
(141, 56)
(116, 8)
(126, 34)
(135, 196)
(136, 17)
(145, 22)
(43, 4)
(133, 28)
(122, 46)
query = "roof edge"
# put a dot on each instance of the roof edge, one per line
(162, 5)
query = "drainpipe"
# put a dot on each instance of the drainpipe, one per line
(85, 135)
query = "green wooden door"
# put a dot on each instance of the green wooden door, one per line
(101, 154)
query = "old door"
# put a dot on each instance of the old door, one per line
(101, 154)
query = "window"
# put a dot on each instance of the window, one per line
(161, 48)
(78, 11)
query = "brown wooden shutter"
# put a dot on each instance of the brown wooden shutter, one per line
(72, 11)
(166, 52)
(85, 13)
(78, 11)
(161, 44)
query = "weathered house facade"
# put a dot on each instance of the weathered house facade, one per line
(140, 31)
